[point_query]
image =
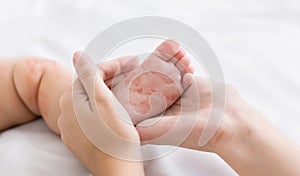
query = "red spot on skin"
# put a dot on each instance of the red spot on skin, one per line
(152, 91)
(173, 97)
(150, 83)
(38, 64)
(142, 103)
(139, 90)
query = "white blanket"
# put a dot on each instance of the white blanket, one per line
(257, 42)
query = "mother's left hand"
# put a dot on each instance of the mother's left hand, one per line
(91, 104)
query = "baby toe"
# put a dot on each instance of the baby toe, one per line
(167, 50)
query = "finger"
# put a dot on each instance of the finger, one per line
(154, 128)
(91, 80)
(170, 130)
(115, 80)
(118, 66)
(78, 92)
(99, 96)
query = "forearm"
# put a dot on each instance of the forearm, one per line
(257, 148)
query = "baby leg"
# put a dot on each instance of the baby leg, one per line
(33, 87)
(30, 88)
(12, 110)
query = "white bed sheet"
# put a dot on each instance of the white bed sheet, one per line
(257, 42)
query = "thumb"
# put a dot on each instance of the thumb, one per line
(90, 79)
(167, 130)
(155, 128)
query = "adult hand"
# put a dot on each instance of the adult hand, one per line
(89, 123)
(244, 138)
(191, 113)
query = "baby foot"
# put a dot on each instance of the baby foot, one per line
(156, 84)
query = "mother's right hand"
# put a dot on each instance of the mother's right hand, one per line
(244, 138)
(197, 99)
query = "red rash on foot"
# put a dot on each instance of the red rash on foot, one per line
(149, 83)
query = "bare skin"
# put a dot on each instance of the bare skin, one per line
(30, 88)
(154, 86)
(34, 86)
(245, 139)
(101, 163)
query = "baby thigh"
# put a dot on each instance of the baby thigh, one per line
(40, 83)
(12, 109)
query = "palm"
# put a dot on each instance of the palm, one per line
(186, 116)
(189, 102)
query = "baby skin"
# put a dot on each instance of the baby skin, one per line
(156, 84)
(32, 87)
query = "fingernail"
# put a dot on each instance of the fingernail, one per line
(76, 57)
(79, 55)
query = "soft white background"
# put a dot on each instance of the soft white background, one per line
(257, 43)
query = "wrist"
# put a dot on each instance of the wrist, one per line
(109, 165)
(237, 123)
(255, 147)
(239, 140)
